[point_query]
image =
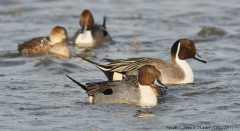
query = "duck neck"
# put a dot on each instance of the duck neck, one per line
(188, 73)
(54, 45)
(147, 96)
(85, 37)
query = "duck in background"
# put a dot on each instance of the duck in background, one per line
(126, 92)
(91, 35)
(177, 72)
(48, 45)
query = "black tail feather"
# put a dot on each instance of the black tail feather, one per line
(107, 60)
(104, 21)
(81, 85)
(108, 74)
(96, 64)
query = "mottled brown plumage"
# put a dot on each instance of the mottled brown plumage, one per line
(46, 45)
(35, 45)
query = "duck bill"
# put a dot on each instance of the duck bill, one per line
(69, 41)
(161, 85)
(199, 58)
(83, 29)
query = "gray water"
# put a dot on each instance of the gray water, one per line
(35, 94)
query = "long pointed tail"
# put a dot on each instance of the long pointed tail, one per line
(81, 85)
(104, 21)
(104, 68)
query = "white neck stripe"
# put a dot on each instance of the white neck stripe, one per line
(178, 51)
(189, 77)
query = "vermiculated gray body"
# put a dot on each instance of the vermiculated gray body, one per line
(123, 92)
(171, 73)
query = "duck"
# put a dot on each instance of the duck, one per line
(125, 92)
(91, 35)
(177, 72)
(158, 91)
(48, 45)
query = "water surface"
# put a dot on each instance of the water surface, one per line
(35, 94)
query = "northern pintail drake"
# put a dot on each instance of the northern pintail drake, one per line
(45, 45)
(159, 91)
(91, 34)
(125, 92)
(177, 72)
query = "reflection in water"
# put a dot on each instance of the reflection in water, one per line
(144, 114)
(84, 52)
(46, 61)
(133, 47)
(79, 60)
(39, 95)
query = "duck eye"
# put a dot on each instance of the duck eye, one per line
(149, 73)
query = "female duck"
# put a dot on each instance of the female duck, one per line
(52, 46)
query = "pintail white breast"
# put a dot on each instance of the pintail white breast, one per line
(176, 72)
